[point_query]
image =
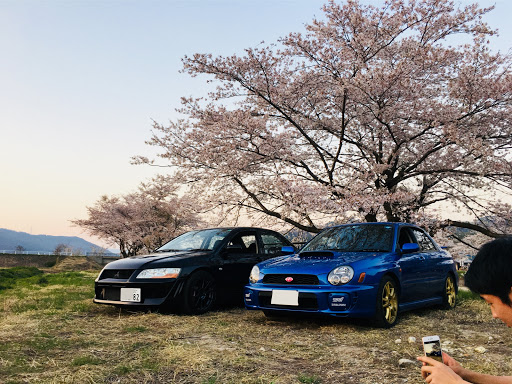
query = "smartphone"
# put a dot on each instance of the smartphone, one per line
(432, 347)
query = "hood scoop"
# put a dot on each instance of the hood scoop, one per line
(316, 255)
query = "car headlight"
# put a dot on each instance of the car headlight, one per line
(255, 274)
(159, 273)
(341, 275)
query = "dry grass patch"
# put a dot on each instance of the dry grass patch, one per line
(53, 333)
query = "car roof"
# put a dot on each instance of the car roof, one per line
(374, 223)
(209, 228)
(237, 229)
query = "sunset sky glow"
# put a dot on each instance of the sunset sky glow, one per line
(82, 80)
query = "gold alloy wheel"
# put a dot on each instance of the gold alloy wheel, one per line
(389, 302)
(450, 292)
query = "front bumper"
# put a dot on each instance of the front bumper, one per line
(153, 293)
(345, 301)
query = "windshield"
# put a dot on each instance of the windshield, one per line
(207, 240)
(354, 238)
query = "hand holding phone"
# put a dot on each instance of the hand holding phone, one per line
(432, 347)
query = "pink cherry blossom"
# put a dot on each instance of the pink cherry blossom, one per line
(373, 114)
(144, 220)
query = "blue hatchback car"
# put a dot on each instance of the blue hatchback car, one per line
(367, 270)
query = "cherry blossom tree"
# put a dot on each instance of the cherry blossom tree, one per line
(143, 220)
(376, 113)
(62, 249)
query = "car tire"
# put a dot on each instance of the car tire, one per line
(199, 293)
(386, 311)
(449, 294)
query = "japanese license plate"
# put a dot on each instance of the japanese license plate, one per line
(130, 294)
(280, 297)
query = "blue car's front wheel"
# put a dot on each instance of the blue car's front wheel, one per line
(386, 312)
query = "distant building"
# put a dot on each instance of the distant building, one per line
(464, 262)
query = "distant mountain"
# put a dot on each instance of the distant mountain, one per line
(11, 240)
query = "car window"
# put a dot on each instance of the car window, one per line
(404, 237)
(354, 238)
(272, 244)
(214, 241)
(204, 239)
(247, 241)
(423, 241)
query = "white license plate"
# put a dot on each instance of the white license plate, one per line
(285, 298)
(130, 294)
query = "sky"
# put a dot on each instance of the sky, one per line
(81, 82)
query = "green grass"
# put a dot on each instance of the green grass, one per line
(122, 370)
(85, 360)
(9, 276)
(19, 272)
(463, 296)
(48, 292)
(211, 380)
(306, 379)
(137, 329)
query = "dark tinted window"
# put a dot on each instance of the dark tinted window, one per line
(272, 244)
(355, 238)
(247, 241)
(405, 237)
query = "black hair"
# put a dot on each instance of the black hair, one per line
(490, 273)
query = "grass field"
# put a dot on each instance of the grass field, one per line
(51, 332)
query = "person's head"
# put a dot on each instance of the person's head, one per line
(490, 275)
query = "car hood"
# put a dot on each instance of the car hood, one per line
(319, 262)
(145, 261)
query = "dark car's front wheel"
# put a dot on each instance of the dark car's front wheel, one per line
(450, 293)
(199, 293)
(386, 313)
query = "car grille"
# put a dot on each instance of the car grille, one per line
(105, 292)
(290, 279)
(306, 301)
(121, 274)
(112, 294)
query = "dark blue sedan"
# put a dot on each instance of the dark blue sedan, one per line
(368, 270)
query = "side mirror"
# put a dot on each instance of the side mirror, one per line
(410, 248)
(287, 250)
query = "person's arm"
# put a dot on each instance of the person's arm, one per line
(452, 372)
(474, 377)
(480, 378)
(435, 372)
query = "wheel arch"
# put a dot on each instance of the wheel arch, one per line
(395, 278)
(190, 272)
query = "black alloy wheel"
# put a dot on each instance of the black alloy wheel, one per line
(199, 294)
